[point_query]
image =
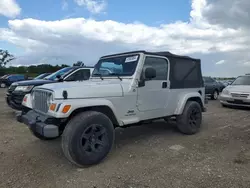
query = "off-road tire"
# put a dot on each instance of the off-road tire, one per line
(81, 151)
(186, 123)
(42, 137)
(215, 95)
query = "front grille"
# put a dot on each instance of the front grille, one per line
(12, 88)
(40, 100)
(240, 95)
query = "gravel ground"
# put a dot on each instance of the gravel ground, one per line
(154, 155)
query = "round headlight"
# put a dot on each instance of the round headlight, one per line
(49, 100)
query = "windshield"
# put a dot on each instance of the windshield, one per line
(116, 66)
(60, 72)
(242, 80)
(41, 76)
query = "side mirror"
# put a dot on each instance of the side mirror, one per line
(150, 73)
(59, 77)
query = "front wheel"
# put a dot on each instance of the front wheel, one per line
(189, 122)
(88, 138)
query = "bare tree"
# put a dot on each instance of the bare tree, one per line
(5, 57)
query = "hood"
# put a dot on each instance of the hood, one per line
(33, 82)
(238, 88)
(86, 89)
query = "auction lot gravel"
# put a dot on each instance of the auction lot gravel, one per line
(153, 155)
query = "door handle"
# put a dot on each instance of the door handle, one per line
(164, 84)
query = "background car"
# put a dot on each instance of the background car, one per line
(212, 87)
(237, 93)
(6, 81)
(18, 90)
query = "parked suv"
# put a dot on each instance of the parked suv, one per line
(6, 81)
(18, 90)
(141, 87)
(212, 87)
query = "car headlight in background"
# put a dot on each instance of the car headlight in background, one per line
(225, 92)
(24, 88)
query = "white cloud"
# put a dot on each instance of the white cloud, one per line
(94, 6)
(220, 62)
(9, 8)
(65, 5)
(69, 40)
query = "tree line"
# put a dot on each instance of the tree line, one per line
(33, 70)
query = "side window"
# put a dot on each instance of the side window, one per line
(160, 65)
(82, 74)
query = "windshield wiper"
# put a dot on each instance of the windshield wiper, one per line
(114, 74)
(98, 74)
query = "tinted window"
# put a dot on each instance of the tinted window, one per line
(160, 65)
(185, 69)
(81, 74)
(242, 80)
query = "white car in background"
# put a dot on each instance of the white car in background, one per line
(237, 93)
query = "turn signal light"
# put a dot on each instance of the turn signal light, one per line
(66, 108)
(25, 99)
(52, 107)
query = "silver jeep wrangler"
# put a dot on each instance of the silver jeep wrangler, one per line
(124, 90)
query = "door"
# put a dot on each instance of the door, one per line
(153, 94)
(80, 74)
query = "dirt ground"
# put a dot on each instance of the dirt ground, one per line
(154, 155)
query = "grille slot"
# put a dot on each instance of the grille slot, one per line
(240, 95)
(40, 100)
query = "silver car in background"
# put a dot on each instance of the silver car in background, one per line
(237, 93)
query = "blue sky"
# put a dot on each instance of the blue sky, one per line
(64, 31)
(152, 12)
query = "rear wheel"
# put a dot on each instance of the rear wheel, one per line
(88, 138)
(215, 95)
(189, 122)
(3, 85)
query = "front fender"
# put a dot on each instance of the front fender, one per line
(183, 100)
(80, 103)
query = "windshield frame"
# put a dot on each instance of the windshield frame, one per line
(100, 61)
(233, 83)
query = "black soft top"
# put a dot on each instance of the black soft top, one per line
(185, 72)
(161, 53)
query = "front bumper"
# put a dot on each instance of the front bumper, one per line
(15, 100)
(231, 101)
(44, 125)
